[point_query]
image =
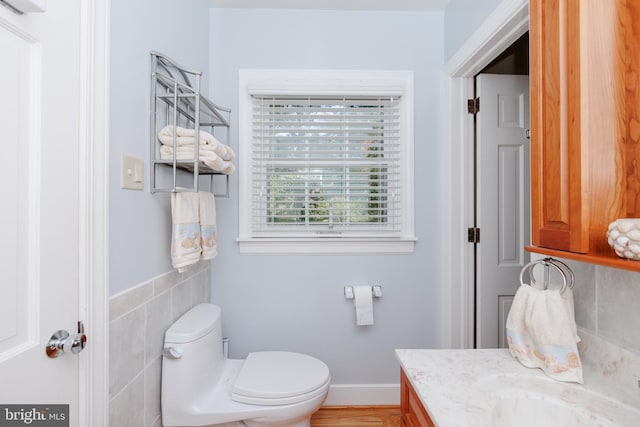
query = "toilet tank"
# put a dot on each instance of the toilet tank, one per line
(191, 359)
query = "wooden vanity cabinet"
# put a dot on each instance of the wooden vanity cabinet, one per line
(585, 126)
(413, 413)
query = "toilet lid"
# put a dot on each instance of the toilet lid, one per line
(279, 377)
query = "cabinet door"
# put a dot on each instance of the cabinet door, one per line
(578, 146)
(559, 219)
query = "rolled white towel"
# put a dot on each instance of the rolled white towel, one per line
(186, 136)
(207, 156)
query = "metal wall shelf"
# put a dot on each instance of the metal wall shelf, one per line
(176, 100)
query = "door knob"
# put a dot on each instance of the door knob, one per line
(61, 342)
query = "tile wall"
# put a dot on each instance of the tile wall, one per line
(138, 319)
(606, 302)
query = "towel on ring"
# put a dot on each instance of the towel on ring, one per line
(207, 156)
(208, 225)
(185, 235)
(541, 331)
(187, 137)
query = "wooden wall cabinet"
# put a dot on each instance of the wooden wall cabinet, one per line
(585, 125)
(413, 413)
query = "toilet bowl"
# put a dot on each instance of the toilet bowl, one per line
(202, 387)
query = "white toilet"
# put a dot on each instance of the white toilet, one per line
(202, 387)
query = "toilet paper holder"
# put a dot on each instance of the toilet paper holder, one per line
(376, 291)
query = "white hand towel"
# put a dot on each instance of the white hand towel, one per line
(541, 331)
(207, 156)
(208, 225)
(187, 137)
(185, 236)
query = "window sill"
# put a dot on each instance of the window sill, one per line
(326, 246)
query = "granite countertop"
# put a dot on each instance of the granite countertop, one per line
(458, 387)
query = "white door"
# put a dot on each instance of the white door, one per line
(502, 200)
(39, 188)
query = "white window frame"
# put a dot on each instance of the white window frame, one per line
(323, 83)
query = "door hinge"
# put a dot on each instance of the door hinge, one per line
(473, 235)
(473, 105)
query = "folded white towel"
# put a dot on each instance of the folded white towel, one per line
(208, 225)
(207, 156)
(186, 136)
(185, 236)
(541, 331)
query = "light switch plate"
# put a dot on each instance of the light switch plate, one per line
(131, 172)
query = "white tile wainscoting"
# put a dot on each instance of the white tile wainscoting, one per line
(138, 319)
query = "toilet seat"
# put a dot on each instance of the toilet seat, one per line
(279, 378)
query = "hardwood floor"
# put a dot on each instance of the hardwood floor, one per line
(355, 416)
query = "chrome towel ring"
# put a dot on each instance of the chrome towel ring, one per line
(568, 278)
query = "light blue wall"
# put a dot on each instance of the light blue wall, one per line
(296, 302)
(140, 223)
(461, 19)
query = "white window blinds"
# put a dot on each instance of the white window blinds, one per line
(325, 166)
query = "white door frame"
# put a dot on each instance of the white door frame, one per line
(505, 25)
(93, 211)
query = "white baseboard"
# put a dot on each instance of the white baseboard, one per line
(363, 395)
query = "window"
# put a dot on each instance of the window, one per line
(326, 161)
